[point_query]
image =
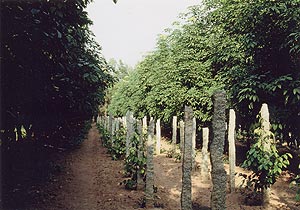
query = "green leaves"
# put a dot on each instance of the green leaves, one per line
(264, 160)
(54, 67)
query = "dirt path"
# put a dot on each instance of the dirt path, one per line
(91, 180)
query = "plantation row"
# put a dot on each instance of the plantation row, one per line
(53, 74)
(53, 78)
(133, 140)
(250, 49)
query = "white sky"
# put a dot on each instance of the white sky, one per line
(128, 30)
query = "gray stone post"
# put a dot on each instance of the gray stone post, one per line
(145, 125)
(194, 128)
(140, 152)
(218, 195)
(130, 130)
(231, 142)
(158, 136)
(186, 192)
(181, 134)
(266, 143)
(174, 133)
(117, 124)
(124, 121)
(150, 166)
(205, 161)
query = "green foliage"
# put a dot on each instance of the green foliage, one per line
(55, 75)
(171, 153)
(134, 165)
(258, 60)
(251, 49)
(105, 137)
(264, 161)
(118, 147)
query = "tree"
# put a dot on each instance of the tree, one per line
(53, 71)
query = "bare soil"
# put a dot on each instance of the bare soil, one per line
(90, 180)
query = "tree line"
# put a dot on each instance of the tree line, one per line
(53, 75)
(250, 49)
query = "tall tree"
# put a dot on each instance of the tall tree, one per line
(52, 69)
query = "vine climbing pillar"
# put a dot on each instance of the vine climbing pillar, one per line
(150, 166)
(140, 152)
(266, 144)
(130, 131)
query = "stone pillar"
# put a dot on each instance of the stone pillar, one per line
(231, 142)
(124, 121)
(205, 161)
(107, 123)
(181, 132)
(218, 173)
(158, 136)
(150, 166)
(130, 130)
(110, 119)
(117, 124)
(266, 143)
(113, 127)
(174, 133)
(140, 152)
(194, 128)
(265, 124)
(186, 192)
(145, 125)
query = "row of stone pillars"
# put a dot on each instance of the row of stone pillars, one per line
(187, 147)
(218, 173)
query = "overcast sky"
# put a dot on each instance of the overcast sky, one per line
(128, 30)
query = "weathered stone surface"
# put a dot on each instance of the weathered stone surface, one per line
(130, 131)
(181, 135)
(265, 117)
(140, 183)
(124, 122)
(231, 141)
(194, 128)
(118, 120)
(113, 128)
(110, 119)
(265, 123)
(205, 161)
(218, 173)
(174, 133)
(145, 125)
(158, 137)
(105, 122)
(150, 166)
(186, 193)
